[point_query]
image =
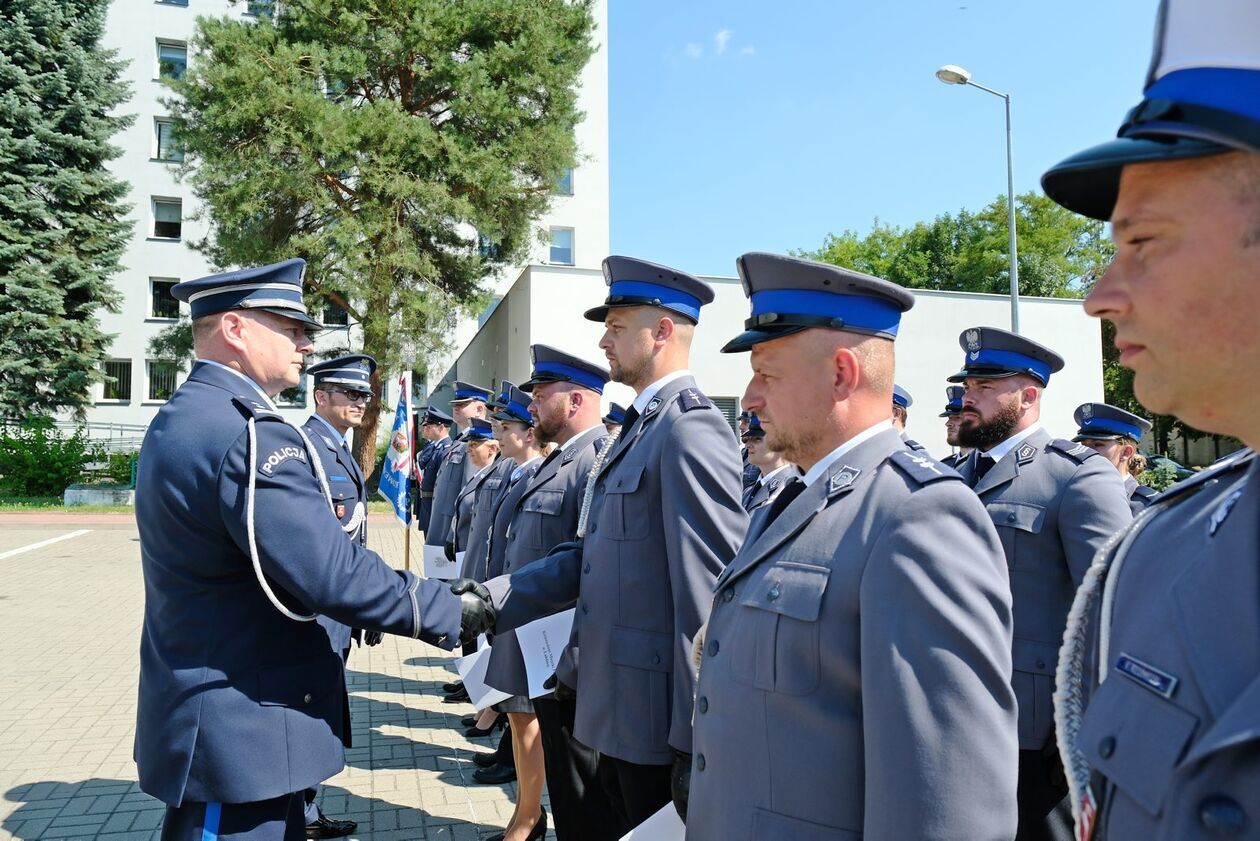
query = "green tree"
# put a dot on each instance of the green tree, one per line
(403, 147)
(62, 225)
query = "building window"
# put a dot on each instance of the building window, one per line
(117, 380)
(564, 184)
(561, 246)
(172, 59)
(171, 2)
(161, 379)
(260, 9)
(168, 218)
(729, 407)
(162, 303)
(335, 315)
(164, 146)
(294, 398)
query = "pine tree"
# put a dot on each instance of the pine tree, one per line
(62, 225)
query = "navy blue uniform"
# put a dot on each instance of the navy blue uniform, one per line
(239, 703)
(429, 460)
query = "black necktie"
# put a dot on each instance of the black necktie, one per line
(750, 492)
(983, 465)
(631, 416)
(790, 491)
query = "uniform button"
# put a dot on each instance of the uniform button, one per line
(1010, 518)
(1041, 664)
(1107, 747)
(1222, 815)
(306, 699)
(713, 648)
(700, 762)
(585, 609)
(728, 594)
(656, 659)
(703, 703)
(774, 593)
(586, 569)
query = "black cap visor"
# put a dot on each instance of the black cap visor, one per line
(294, 315)
(987, 374)
(745, 340)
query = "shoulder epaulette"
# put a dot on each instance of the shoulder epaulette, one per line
(691, 398)
(1145, 492)
(252, 407)
(599, 444)
(1071, 449)
(922, 467)
(1198, 480)
(914, 445)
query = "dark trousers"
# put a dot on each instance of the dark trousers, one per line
(636, 792)
(277, 819)
(1044, 811)
(580, 810)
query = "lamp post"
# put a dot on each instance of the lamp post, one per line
(952, 74)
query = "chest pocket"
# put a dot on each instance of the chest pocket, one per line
(1018, 524)
(624, 512)
(1135, 739)
(456, 457)
(774, 643)
(538, 518)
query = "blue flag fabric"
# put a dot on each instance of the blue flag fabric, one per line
(396, 473)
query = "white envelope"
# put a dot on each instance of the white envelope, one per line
(472, 669)
(542, 642)
(665, 825)
(436, 565)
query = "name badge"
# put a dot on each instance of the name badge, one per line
(1144, 674)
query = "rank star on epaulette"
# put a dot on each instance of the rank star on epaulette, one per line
(925, 462)
(1026, 454)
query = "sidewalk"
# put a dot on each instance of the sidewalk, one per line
(70, 616)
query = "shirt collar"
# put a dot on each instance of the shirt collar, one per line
(832, 457)
(999, 451)
(567, 444)
(255, 386)
(764, 480)
(645, 396)
(336, 435)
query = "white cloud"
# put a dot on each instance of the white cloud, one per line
(720, 40)
(749, 50)
(693, 51)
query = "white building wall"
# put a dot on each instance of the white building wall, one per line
(927, 346)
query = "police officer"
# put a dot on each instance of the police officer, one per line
(342, 388)
(1054, 504)
(435, 428)
(774, 471)
(615, 418)
(854, 676)
(1162, 643)
(565, 391)
(664, 518)
(750, 474)
(1114, 433)
(901, 403)
(483, 453)
(241, 701)
(953, 409)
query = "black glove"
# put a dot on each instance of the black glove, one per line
(372, 637)
(680, 782)
(476, 609)
(561, 690)
(449, 549)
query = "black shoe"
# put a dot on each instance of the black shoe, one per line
(538, 833)
(469, 721)
(453, 686)
(477, 732)
(486, 760)
(326, 827)
(459, 697)
(495, 775)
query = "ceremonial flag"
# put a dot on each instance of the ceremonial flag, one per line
(399, 463)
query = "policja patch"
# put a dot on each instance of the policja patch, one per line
(279, 457)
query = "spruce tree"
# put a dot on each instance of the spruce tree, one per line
(62, 225)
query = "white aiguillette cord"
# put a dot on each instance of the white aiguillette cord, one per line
(249, 512)
(589, 493)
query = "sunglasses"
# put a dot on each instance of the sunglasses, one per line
(352, 397)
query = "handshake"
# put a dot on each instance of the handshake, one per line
(476, 609)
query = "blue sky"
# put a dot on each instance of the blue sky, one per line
(742, 125)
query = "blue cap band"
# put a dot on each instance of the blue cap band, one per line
(676, 299)
(1008, 360)
(954, 404)
(517, 411)
(570, 373)
(470, 394)
(1226, 88)
(1110, 426)
(861, 312)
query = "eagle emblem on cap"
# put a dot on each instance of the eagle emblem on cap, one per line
(607, 275)
(973, 340)
(1087, 414)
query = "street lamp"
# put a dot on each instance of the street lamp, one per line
(952, 74)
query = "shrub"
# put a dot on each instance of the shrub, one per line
(36, 460)
(1159, 478)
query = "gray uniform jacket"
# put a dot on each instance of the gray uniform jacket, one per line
(1054, 504)
(1173, 731)
(1140, 496)
(474, 535)
(542, 517)
(453, 473)
(498, 539)
(759, 494)
(855, 675)
(664, 520)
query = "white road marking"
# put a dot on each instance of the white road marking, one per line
(42, 544)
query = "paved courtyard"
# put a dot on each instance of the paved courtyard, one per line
(70, 616)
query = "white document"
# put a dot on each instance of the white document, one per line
(436, 565)
(665, 825)
(472, 669)
(542, 643)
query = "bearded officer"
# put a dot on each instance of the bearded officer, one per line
(435, 428)
(952, 412)
(241, 705)
(1114, 433)
(774, 471)
(342, 388)
(1054, 504)
(854, 676)
(664, 518)
(1167, 748)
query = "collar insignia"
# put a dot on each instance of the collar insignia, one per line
(1026, 453)
(843, 479)
(654, 404)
